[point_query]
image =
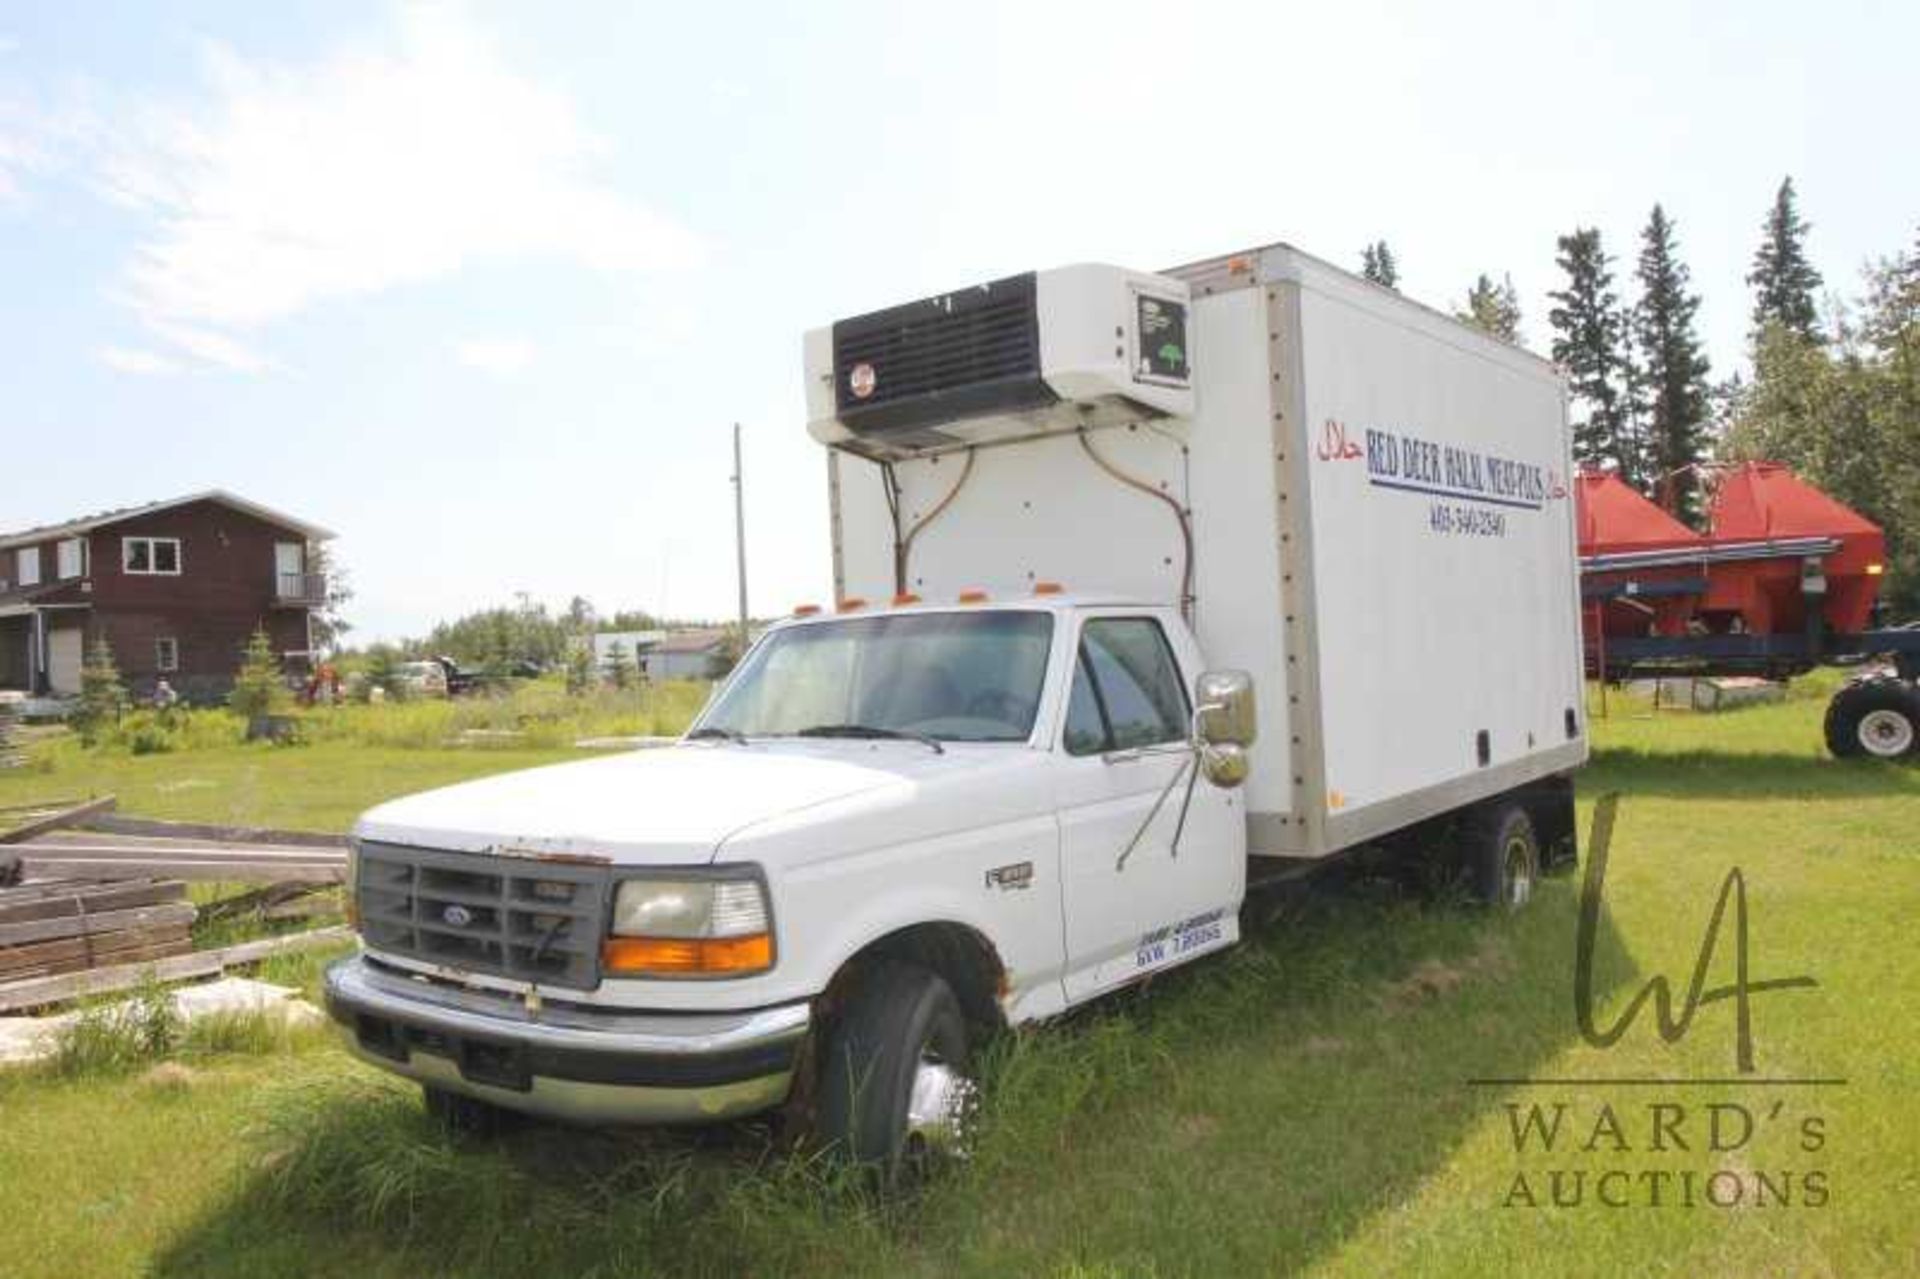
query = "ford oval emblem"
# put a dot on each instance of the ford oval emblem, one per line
(457, 915)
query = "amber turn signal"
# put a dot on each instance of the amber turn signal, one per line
(695, 956)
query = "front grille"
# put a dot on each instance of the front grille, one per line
(538, 921)
(961, 354)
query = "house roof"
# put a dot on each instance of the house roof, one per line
(87, 523)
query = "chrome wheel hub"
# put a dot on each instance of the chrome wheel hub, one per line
(1519, 874)
(938, 1107)
(1885, 733)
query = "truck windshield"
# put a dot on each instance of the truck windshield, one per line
(957, 677)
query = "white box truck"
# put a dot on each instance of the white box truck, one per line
(1149, 587)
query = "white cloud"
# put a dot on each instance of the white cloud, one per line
(142, 363)
(213, 348)
(502, 357)
(295, 185)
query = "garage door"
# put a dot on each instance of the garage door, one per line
(64, 651)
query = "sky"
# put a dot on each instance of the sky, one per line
(482, 287)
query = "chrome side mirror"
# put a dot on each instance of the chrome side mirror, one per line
(1225, 765)
(1223, 709)
(1224, 725)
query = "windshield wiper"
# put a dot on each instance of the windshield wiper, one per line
(709, 731)
(872, 733)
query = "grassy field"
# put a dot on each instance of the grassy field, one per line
(1302, 1105)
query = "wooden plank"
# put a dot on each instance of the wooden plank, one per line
(90, 925)
(205, 963)
(66, 817)
(117, 825)
(258, 899)
(204, 871)
(55, 849)
(142, 952)
(41, 805)
(71, 954)
(91, 899)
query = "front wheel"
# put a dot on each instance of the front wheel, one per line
(894, 1093)
(1879, 718)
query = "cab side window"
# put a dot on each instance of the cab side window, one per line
(1127, 690)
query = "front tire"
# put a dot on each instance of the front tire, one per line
(894, 1093)
(1502, 854)
(1875, 718)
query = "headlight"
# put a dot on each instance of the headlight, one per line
(707, 927)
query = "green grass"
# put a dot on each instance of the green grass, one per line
(1299, 1106)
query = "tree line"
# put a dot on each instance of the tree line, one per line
(1833, 392)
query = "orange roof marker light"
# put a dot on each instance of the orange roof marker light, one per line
(805, 610)
(905, 597)
(973, 596)
(851, 604)
(1048, 588)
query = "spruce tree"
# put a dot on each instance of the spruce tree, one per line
(620, 667)
(1785, 284)
(1674, 369)
(1589, 328)
(259, 688)
(103, 697)
(1493, 308)
(1377, 264)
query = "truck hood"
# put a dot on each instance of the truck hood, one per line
(672, 805)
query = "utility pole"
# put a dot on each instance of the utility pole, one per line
(740, 533)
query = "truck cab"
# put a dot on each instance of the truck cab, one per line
(999, 803)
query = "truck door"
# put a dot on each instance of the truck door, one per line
(1133, 901)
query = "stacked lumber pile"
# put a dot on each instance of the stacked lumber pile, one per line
(51, 927)
(92, 902)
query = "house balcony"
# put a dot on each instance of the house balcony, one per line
(300, 590)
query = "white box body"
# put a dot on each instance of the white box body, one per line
(1378, 504)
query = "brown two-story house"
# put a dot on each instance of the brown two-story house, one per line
(176, 588)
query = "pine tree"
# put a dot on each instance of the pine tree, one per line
(580, 667)
(1674, 369)
(1589, 332)
(1493, 308)
(620, 668)
(102, 696)
(1377, 264)
(258, 687)
(1785, 284)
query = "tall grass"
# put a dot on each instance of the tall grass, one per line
(537, 714)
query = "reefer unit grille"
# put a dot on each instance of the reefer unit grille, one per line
(962, 354)
(514, 917)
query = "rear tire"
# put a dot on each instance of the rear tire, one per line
(1501, 854)
(894, 1094)
(1874, 718)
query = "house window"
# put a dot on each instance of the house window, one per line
(27, 559)
(71, 558)
(166, 654)
(151, 555)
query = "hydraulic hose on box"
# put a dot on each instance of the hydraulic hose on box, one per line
(903, 545)
(1179, 514)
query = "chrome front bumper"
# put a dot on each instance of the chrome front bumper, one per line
(567, 1062)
